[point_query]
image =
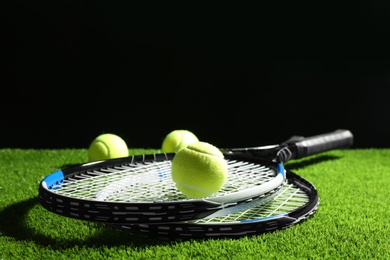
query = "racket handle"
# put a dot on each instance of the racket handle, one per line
(324, 142)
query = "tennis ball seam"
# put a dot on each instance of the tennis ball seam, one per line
(180, 142)
(105, 146)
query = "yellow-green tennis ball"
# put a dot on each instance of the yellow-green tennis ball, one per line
(178, 139)
(199, 170)
(107, 146)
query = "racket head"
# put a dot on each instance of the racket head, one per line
(139, 189)
(297, 201)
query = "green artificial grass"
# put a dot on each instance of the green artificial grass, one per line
(351, 221)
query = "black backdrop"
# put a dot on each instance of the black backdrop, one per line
(76, 70)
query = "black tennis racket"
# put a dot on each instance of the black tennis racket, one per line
(139, 189)
(297, 201)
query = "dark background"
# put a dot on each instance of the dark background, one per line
(74, 70)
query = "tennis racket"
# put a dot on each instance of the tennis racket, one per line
(297, 201)
(139, 189)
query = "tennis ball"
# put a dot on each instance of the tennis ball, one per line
(178, 139)
(107, 146)
(199, 170)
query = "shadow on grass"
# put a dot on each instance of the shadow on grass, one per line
(295, 165)
(13, 224)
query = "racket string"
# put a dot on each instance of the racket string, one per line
(244, 175)
(290, 198)
(151, 182)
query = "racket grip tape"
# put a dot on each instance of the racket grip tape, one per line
(320, 143)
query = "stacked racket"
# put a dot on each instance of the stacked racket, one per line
(136, 193)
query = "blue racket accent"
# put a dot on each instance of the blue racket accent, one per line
(54, 181)
(281, 170)
(263, 219)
